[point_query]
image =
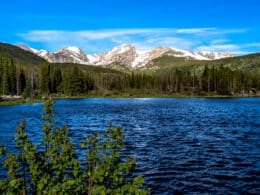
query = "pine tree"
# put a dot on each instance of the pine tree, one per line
(45, 82)
(12, 78)
(27, 93)
(5, 84)
(205, 78)
(56, 79)
(21, 82)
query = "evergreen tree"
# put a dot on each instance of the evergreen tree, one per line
(21, 82)
(5, 84)
(45, 82)
(205, 78)
(56, 79)
(12, 78)
(27, 93)
(76, 81)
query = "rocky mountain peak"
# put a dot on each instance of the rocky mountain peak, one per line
(125, 55)
(122, 49)
(69, 54)
(70, 49)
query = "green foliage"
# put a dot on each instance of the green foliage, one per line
(45, 81)
(27, 92)
(75, 82)
(53, 167)
(105, 171)
(12, 78)
(56, 79)
(5, 84)
(21, 81)
(8, 77)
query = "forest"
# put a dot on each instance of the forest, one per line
(75, 80)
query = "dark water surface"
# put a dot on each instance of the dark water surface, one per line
(191, 145)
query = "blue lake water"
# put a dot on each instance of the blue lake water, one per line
(188, 145)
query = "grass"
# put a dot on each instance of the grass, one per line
(18, 102)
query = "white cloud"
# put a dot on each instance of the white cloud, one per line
(226, 47)
(195, 30)
(48, 35)
(44, 35)
(238, 49)
(95, 41)
(219, 41)
(172, 42)
(252, 44)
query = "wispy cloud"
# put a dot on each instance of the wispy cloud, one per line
(219, 48)
(47, 35)
(94, 41)
(219, 41)
(195, 30)
(252, 44)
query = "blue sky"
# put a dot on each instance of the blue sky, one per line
(98, 25)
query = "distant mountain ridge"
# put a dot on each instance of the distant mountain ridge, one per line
(125, 54)
(164, 61)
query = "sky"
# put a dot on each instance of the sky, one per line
(96, 26)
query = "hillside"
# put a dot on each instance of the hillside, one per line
(30, 60)
(87, 68)
(20, 56)
(248, 63)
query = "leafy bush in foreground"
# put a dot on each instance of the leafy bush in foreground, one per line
(53, 167)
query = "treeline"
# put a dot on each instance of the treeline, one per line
(75, 80)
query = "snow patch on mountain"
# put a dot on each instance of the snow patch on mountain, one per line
(125, 54)
(71, 49)
(70, 54)
(215, 55)
(42, 53)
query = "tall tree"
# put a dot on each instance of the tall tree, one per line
(206, 76)
(27, 93)
(45, 82)
(56, 79)
(21, 81)
(5, 84)
(12, 78)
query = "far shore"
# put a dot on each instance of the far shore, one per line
(8, 100)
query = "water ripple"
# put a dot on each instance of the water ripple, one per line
(190, 146)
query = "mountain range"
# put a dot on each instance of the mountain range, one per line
(125, 55)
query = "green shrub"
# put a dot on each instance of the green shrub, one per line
(53, 167)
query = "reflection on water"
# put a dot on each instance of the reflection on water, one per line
(182, 145)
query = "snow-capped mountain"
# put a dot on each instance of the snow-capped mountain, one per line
(123, 54)
(69, 54)
(126, 55)
(42, 53)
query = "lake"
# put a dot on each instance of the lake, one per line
(188, 145)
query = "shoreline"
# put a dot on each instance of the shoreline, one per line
(20, 101)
